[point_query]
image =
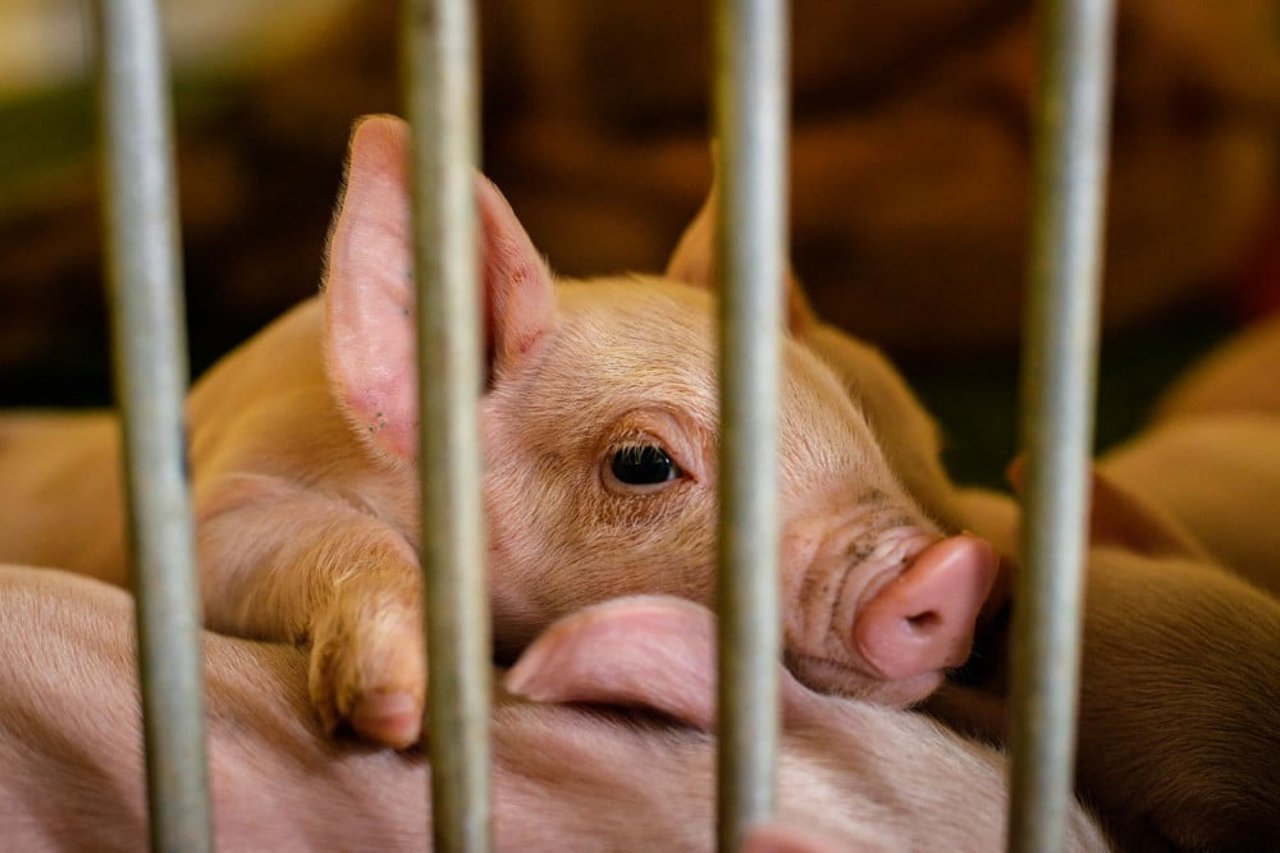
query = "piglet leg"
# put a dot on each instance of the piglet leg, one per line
(296, 564)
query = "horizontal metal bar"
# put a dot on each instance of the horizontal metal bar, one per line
(144, 275)
(1058, 387)
(751, 111)
(440, 82)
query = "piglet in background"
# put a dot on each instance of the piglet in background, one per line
(600, 430)
(1179, 710)
(1179, 725)
(565, 777)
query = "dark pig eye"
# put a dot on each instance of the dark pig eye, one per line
(643, 465)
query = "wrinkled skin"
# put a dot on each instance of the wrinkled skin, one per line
(303, 447)
(565, 777)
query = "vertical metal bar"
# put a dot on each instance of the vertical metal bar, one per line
(751, 113)
(144, 274)
(1058, 389)
(441, 88)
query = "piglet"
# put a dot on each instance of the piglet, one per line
(1179, 714)
(565, 777)
(599, 424)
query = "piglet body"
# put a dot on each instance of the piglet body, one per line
(1179, 707)
(565, 777)
(62, 473)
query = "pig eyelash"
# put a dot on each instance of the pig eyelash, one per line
(640, 467)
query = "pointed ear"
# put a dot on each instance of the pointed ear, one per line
(520, 305)
(368, 289)
(370, 345)
(694, 259)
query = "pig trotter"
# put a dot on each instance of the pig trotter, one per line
(368, 670)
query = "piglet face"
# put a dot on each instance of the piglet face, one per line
(601, 461)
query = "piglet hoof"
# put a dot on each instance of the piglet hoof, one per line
(391, 718)
(368, 673)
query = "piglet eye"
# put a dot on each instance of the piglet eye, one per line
(643, 465)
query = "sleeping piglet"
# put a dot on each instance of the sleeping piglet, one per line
(599, 424)
(565, 777)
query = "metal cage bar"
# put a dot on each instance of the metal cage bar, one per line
(751, 125)
(151, 374)
(1058, 388)
(440, 84)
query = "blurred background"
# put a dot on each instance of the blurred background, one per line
(910, 167)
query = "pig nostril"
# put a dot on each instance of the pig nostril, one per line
(925, 622)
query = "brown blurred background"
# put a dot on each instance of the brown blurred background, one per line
(910, 162)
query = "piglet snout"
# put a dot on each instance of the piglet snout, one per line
(923, 620)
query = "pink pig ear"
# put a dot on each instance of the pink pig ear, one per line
(647, 651)
(694, 259)
(643, 651)
(370, 348)
(520, 300)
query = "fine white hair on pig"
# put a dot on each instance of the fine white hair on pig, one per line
(565, 777)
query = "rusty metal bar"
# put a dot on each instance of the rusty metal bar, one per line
(751, 113)
(151, 374)
(440, 77)
(1058, 389)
